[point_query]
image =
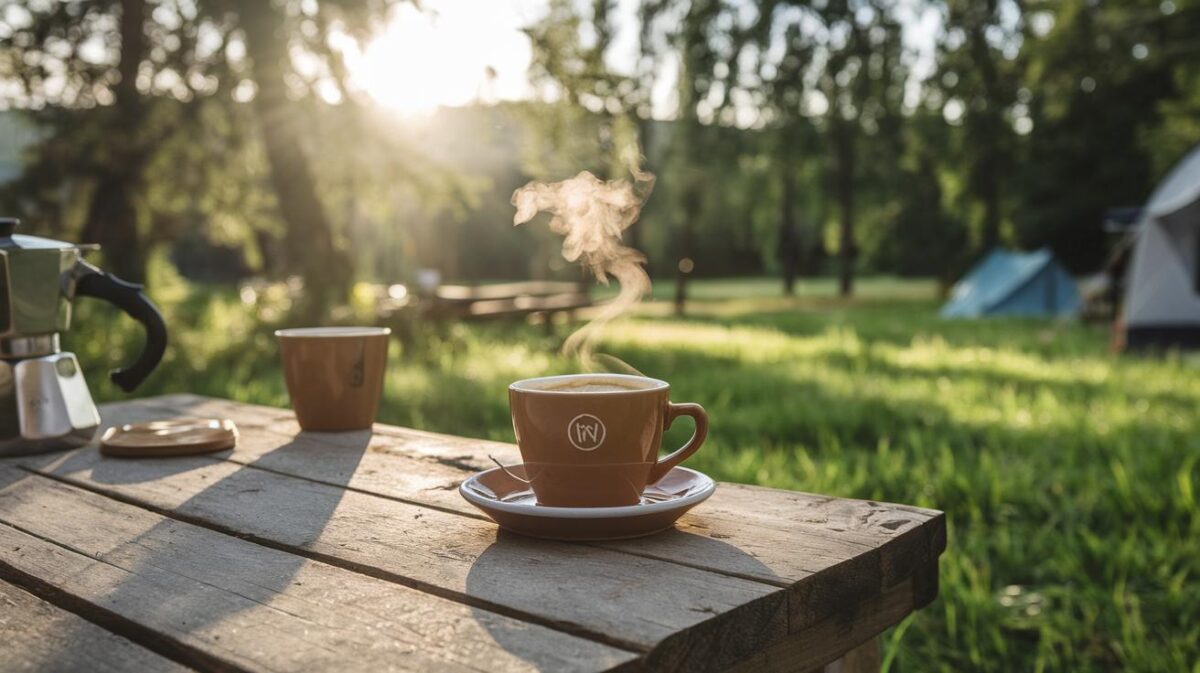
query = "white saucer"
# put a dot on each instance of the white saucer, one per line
(512, 504)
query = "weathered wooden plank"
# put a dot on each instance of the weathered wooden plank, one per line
(770, 535)
(721, 540)
(231, 604)
(37, 636)
(727, 542)
(866, 658)
(898, 542)
(684, 618)
(858, 521)
(449, 448)
(775, 537)
(835, 636)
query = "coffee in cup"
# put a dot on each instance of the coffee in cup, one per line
(592, 440)
(334, 375)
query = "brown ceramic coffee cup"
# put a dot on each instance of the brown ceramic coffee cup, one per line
(334, 375)
(592, 440)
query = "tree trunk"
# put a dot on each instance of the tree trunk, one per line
(112, 216)
(268, 253)
(843, 139)
(684, 263)
(789, 236)
(987, 177)
(309, 242)
(112, 222)
(990, 194)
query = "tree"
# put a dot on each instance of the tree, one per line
(709, 41)
(862, 79)
(794, 135)
(1170, 45)
(310, 241)
(577, 75)
(920, 236)
(273, 33)
(613, 107)
(1098, 78)
(112, 219)
(694, 81)
(839, 66)
(107, 102)
(978, 72)
(113, 102)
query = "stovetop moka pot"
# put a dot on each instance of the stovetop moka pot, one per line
(45, 404)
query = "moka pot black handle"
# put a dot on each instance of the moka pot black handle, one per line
(92, 282)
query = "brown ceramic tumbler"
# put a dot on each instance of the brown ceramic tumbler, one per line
(592, 440)
(334, 375)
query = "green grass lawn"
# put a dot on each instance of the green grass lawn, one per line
(1068, 476)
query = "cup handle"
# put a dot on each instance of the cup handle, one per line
(662, 467)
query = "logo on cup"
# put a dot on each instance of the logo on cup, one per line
(586, 432)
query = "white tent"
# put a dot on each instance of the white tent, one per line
(1162, 303)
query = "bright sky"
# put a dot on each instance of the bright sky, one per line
(454, 52)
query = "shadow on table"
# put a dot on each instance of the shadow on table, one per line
(16, 469)
(509, 565)
(201, 559)
(107, 470)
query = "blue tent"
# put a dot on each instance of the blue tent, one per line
(1017, 284)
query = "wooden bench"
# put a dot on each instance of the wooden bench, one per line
(542, 299)
(354, 552)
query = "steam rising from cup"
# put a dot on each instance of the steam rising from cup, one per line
(592, 214)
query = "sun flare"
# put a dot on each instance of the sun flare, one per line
(446, 54)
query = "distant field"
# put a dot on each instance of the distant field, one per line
(1069, 476)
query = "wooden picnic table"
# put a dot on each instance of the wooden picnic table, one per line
(497, 300)
(354, 552)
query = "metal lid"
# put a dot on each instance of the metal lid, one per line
(13, 241)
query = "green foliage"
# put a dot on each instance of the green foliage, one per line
(1098, 81)
(1069, 476)
(918, 234)
(979, 73)
(796, 130)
